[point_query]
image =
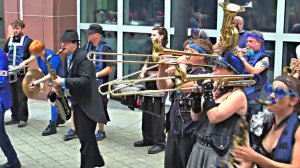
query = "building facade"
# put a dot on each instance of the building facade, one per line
(128, 23)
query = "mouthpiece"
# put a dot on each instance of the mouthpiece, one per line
(60, 50)
(266, 102)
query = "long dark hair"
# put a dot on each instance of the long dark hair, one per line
(162, 31)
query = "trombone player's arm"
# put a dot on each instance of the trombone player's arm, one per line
(167, 83)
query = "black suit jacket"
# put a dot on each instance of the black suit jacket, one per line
(81, 82)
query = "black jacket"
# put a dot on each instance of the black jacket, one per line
(81, 82)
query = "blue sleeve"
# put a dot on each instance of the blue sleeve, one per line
(3, 69)
(55, 61)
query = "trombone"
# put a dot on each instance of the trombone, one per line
(120, 79)
(224, 80)
(157, 52)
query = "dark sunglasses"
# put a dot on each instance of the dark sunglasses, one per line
(279, 92)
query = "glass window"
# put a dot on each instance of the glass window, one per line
(110, 38)
(144, 12)
(98, 11)
(270, 49)
(292, 16)
(202, 13)
(2, 30)
(136, 43)
(261, 16)
(289, 51)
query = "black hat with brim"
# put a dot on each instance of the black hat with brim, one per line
(69, 36)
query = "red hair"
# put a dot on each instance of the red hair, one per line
(36, 46)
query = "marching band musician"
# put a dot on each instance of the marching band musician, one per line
(256, 61)
(17, 49)
(103, 69)
(220, 111)
(153, 126)
(5, 104)
(80, 80)
(179, 124)
(295, 62)
(278, 142)
(40, 54)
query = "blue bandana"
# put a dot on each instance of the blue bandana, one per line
(197, 48)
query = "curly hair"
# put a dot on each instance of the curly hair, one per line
(36, 46)
(18, 22)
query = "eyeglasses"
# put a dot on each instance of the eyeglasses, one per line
(279, 92)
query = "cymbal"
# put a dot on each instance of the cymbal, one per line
(31, 76)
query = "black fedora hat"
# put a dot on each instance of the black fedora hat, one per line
(69, 36)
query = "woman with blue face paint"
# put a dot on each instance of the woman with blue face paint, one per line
(40, 54)
(278, 144)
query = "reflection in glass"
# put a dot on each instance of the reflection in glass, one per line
(202, 13)
(138, 44)
(98, 11)
(289, 52)
(262, 15)
(144, 12)
(292, 16)
(110, 38)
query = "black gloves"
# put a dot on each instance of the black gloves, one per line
(209, 101)
(196, 107)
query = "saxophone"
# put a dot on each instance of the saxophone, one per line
(57, 97)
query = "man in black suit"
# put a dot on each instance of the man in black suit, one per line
(80, 80)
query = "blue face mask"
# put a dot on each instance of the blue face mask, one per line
(250, 52)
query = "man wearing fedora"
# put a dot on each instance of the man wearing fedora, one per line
(80, 80)
(103, 69)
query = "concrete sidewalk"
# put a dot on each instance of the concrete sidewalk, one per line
(36, 151)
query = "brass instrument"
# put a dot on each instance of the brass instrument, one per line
(291, 70)
(223, 80)
(157, 52)
(58, 98)
(229, 33)
(120, 79)
(31, 76)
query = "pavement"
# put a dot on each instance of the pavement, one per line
(37, 151)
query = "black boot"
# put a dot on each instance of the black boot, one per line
(51, 129)
(59, 120)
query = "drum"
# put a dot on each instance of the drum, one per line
(153, 103)
(132, 101)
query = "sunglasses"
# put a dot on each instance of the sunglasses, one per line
(279, 92)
